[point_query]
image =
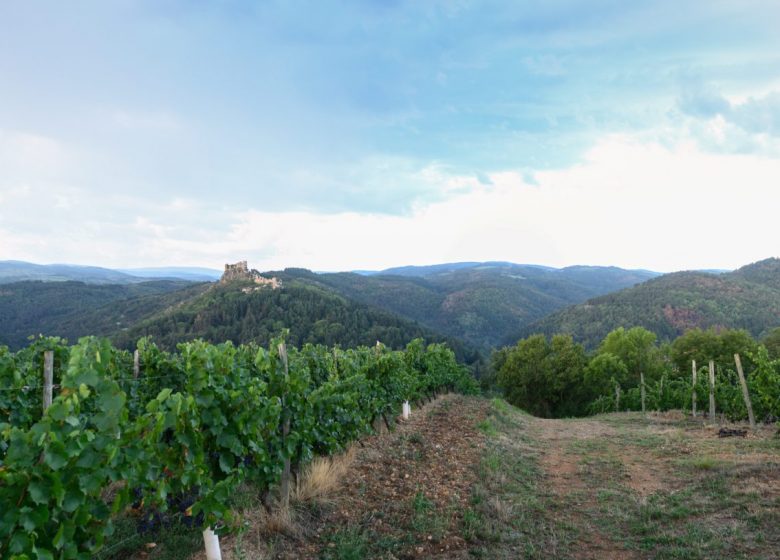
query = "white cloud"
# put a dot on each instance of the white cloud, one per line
(630, 202)
(734, 123)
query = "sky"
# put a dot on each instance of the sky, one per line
(368, 134)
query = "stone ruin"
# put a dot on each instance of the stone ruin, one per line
(241, 271)
(238, 271)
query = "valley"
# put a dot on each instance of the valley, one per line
(474, 306)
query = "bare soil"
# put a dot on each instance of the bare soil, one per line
(406, 488)
(617, 486)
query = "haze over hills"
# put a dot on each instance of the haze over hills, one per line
(748, 298)
(18, 271)
(191, 273)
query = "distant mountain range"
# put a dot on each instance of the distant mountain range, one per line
(473, 305)
(191, 273)
(18, 271)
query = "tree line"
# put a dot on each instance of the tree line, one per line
(557, 377)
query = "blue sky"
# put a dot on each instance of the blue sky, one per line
(340, 135)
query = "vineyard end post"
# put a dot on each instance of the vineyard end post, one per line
(712, 390)
(745, 393)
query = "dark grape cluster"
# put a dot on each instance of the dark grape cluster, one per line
(177, 511)
(151, 521)
(138, 496)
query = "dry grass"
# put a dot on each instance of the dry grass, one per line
(322, 477)
(262, 529)
(279, 521)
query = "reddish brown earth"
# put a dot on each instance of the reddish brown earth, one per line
(429, 459)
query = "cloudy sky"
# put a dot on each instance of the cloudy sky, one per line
(368, 134)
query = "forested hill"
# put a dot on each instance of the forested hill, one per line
(476, 303)
(242, 311)
(748, 298)
(75, 309)
(480, 303)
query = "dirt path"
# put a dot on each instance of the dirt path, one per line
(564, 468)
(611, 481)
(467, 477)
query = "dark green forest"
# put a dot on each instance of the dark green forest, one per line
(75, 309)
(479, 303)
(241, 312)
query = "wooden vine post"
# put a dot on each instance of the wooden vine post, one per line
(712, 390)
(48, 378)
(284, 489)
(642, 384)
(693, 391)
(745, 393)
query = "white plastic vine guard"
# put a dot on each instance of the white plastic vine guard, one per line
(211, 540)
(406, 410)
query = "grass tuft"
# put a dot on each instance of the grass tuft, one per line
(322, 477)
(348, 544)
(704, 463)
(487, 428)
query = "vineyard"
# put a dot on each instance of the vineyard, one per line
(724, 372)
(726, 393)
(172, 435)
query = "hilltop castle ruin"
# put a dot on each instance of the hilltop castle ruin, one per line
(241, 271)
